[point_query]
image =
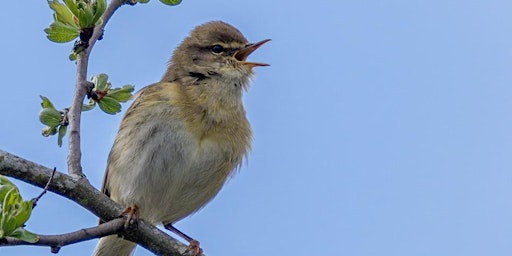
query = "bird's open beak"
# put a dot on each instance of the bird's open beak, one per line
(243, 53)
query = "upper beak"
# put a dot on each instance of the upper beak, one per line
(242, 54)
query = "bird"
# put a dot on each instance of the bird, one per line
(183, 137)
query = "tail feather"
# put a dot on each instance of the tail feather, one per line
(113, 246)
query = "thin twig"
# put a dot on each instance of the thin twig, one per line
(74, 115)
(35, 200)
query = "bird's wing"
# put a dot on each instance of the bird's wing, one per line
(138, 97)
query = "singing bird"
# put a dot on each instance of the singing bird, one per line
(184, 136)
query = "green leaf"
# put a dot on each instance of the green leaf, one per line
(62, 13)
(143, 1)
(46, 102)
(90, 15)
(85, 18)
(59, 32)
(108, 99)
(99, 7)
(14, 212)
(7, 225)
(7, 221)
(171, 2)
(109, 105)
(47, 131)
(50, 116)
(122, 94)
(72, 56)
(101, 82)
(62, 133)
(5, 182)
(22, 212)
(25, 235)
(71, 6)
(4, 189)
(87, 107)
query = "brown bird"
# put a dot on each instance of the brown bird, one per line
(184, 136)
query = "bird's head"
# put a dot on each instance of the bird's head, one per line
(214, 52)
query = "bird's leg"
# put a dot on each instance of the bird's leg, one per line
(132, 212)
(193, 248)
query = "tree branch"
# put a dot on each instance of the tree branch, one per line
(75, 111)
(79, 190)
(58, 241)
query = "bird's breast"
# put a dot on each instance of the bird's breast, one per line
(173, 157)
(185, 172)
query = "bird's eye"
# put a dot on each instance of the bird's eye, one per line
(217, 48)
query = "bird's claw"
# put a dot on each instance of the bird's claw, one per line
(132, 217)
(193, 249)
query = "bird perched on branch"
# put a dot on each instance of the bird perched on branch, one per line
(184, 136)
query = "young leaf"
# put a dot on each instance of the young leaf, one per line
(25, 235)
(171, 2)
(7, 225)
(84, 18)
(87, 107)
(46, 103)
(99, 7)
(59, 32)
(71, 6)
(122, 94)
(14, 212)
(22, 212)
(50, 116)
(62, 133)
(5, 181)
(72, 56)
(101, 82)
(47, 131)
(7, 220)
(62, 13)
(109, 105)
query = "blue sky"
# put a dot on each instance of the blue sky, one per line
(380, 128)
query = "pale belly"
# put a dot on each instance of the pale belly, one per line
(172, 180)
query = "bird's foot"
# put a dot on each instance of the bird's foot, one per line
(132, 217)
(193, 249)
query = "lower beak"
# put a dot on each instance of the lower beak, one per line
(242, 54)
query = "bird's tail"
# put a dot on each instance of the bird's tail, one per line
(113, 246)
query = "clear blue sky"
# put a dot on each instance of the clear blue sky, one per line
(380, 128)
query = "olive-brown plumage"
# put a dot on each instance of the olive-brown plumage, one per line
(184, 136)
